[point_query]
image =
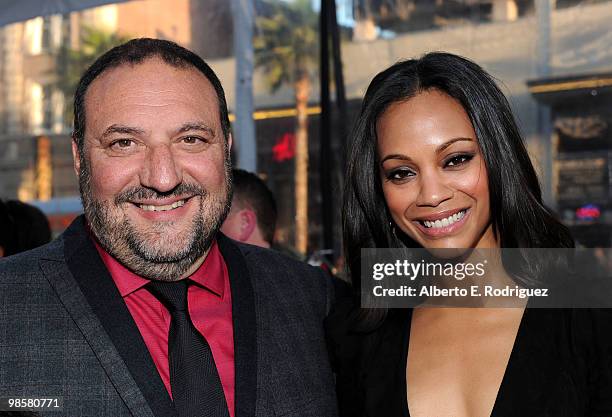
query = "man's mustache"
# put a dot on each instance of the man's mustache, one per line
(144, 193)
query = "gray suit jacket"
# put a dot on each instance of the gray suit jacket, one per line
(65, 331)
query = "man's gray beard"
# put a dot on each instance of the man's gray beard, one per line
(136, 253)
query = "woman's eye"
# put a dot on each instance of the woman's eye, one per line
(458, 160)
(399, 174)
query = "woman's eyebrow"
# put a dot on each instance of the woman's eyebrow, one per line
(438, 150)
(450, 142)
(396, 156)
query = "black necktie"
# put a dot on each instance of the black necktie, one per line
(196, 386)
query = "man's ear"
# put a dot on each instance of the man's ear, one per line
(248, 223)
(228, 149)
(1, 252)
(76, 161)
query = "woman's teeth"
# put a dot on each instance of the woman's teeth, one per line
(444, 222)
(172, 206)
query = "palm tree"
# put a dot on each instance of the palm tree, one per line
(286, 46)
(72, 63)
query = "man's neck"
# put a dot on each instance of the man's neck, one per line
(257, 239)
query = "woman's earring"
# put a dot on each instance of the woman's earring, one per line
(392, 226)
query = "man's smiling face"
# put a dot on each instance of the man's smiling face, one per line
(154, 169)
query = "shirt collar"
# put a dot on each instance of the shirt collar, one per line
(209, 275)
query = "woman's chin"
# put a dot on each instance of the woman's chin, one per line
(448, 252)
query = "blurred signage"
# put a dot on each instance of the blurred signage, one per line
(586, 127)
(583, 179)
(588, 212)
(284, 148)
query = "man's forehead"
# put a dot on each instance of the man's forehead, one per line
(153, 75)
(153, 85)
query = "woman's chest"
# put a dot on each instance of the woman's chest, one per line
(461, 356)
(542, 374)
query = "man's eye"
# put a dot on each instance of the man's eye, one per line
(192, 140)
(458, 160)
(122, 143)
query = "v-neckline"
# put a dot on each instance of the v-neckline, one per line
(508, 372)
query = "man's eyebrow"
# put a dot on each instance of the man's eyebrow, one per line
(126, 130)
(202, 127)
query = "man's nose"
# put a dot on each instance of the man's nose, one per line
(160, 171)
(433, 190)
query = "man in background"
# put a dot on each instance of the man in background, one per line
(252, 218)
(22, 227)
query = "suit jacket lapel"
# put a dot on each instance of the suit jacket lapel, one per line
(245, 330)
(91, 297)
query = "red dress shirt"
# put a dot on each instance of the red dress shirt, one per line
(210, 307)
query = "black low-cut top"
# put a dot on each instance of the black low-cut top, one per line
(560, 365)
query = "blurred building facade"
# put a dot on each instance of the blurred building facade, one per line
(35, 154)
(501, 35)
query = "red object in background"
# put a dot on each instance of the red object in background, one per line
(588, 212)
(284, 149)
(60, 222)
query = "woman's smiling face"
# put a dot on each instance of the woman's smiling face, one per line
(433, 175)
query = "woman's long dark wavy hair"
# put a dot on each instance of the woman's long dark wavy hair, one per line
(518, 216)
